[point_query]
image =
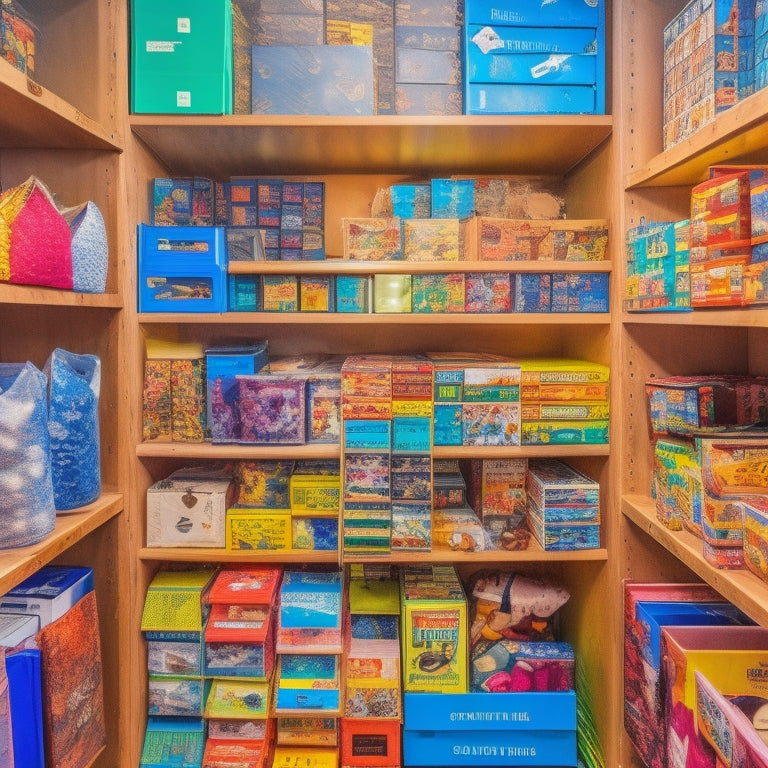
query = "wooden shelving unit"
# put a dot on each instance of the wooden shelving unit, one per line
(656, 185)
(63, 127)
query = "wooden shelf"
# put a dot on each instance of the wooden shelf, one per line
(534, 553)
(734, 317)
(26, 294)
(741, 587)
(215, 555)
(369, 319)
(17, 564)
(241, 145)
(227, 451)
(34, 118)
(338, 266)
(738, 135)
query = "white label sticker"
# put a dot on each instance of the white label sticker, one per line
(183, 25)
(183, 99)
(161, 46)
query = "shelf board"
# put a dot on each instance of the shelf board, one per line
(32, 294)
(738, 135)
(339, 266)
(733, 317)
(236, 145)
(208, 555)
(223, 452)
(539, 319)
(741, 587)
(534, 553)
(34, 118)
(19, 563)
(215, 555)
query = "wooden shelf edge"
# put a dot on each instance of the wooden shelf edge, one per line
(338, 265)
(33, 294)
(32, 116)
(739, 317)
(533, 554)
(376, 318)
(333, 451)
(741, 587)
(215, 555)
(19, 563)
(737, 133)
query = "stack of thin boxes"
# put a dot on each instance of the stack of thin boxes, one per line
(707, 64)
(563, 506)
(428, 57)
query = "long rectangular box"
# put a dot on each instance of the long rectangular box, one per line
(181, 57)
(504, 729)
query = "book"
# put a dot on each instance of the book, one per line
(72, 688)
(25, 689)
(48, 593)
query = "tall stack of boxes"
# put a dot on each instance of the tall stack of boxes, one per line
(173, 620)
(428, 58)
(411, 467)
(239, 657)
(309, 683)
(708, 64)
(534, 58)
(370, 728)
(563, 506)
(564, 401)
(366, 410)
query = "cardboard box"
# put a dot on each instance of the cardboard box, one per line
(644, 708)
(308, 731)
(272, 408)
(188, 508)
(164, 733)
(181, 57)
(731, 658)
(312, 80)
(307, 684)
(434, 630)
(237, 699)
(177, 601)
(502, 729)
(182, 269)
(176, 696)
(370, 742)
(239, 641)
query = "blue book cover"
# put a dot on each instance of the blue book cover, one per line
(24, 688)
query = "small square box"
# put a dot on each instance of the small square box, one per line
(188, 509)
(316, 293)
(280, 293)
(353, 294)
(182, 269)
(272, 409)
(370, 742)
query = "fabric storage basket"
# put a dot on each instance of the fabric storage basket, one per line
(90, 252)
(73, 422)
(27, 511)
